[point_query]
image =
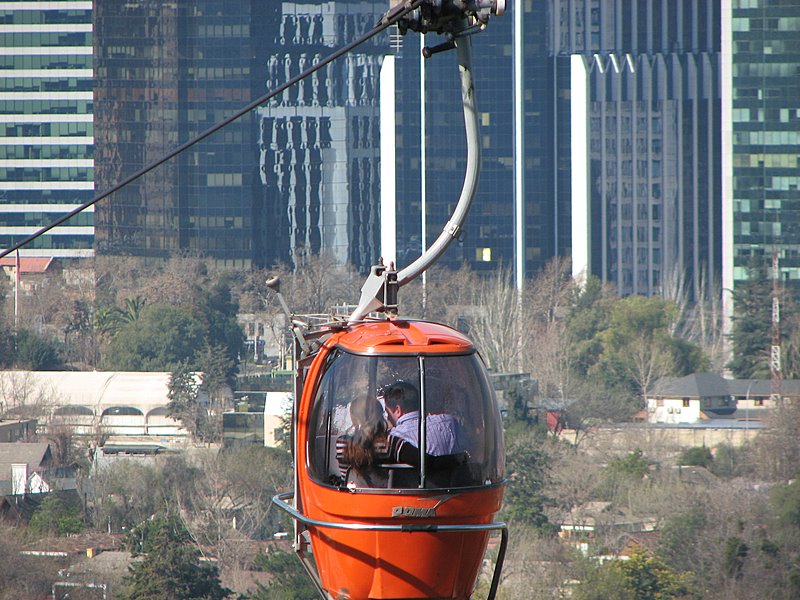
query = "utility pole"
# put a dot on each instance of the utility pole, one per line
(17, 284)
(775, 349)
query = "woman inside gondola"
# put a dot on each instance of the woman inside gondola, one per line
(366, 445)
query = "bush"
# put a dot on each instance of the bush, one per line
(727, 461)
(55, 517)
(698, 456)
(289, 580)
(35, 352)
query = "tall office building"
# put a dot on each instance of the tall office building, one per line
(166, 71)
(46, 146)
(761, 62)
(600, 131)
(319, 151)
(298, 174)
(645, 141)
(514, 219)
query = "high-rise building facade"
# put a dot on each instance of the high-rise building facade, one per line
(514, 217)
(166, 71)
(761, 61)
(646, 141)
(46, 145)
(319, 140)
(298, 174)
(600, 133)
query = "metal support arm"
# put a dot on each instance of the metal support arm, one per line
(371, 297)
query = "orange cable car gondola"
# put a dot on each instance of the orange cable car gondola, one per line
(397, 437)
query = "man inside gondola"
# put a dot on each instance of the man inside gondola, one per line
(442, 431)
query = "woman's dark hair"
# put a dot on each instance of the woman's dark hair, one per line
(369, 427)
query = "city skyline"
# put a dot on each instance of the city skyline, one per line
(699, 179)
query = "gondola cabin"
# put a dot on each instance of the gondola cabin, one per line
(398, 443)
(384, 518)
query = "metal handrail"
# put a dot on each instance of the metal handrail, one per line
(279, 500)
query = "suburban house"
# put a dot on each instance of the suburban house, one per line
(757, 394)
(23, 468)
(27, 474)
(706, 399)
(33, 270)
(689, 399)
(585, 522)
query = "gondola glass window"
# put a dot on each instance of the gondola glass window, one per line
(366, 431)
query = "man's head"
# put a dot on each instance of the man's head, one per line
(400, 398)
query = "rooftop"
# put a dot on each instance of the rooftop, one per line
(28, 264)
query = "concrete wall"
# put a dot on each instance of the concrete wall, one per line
(645, 437)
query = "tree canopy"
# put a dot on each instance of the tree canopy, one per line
(170, 567)
(162, 338)
(623, 345)
(642, 577)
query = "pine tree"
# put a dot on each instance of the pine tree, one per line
(183, 399)
(170, 568)
(752, 323)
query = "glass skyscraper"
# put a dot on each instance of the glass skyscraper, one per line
(296, 175)
(600, 133)
(505, 219)
(319, 141)
(762, 143)
(166, 71)
(645, 141)
(46, 145)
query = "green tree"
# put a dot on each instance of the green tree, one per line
(55, 517)
(642, 577)
(785, 501)
(217, 382)
(638, 345)
(162, 338)
(733, 557)
(680, 536)
(170, 568)
(526, 470)
(34, 352)
(621, 475)
(6, 346)
(588, 317)
(728, 460)
(752, 323)
(633, 465)
(109, 320)
(604, 583)
(621, 346)
(183, 392)
(218, 311)
(289, 580)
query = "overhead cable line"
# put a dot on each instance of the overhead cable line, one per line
(394, 15)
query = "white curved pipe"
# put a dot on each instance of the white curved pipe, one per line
(373, 290)
(453, 227)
